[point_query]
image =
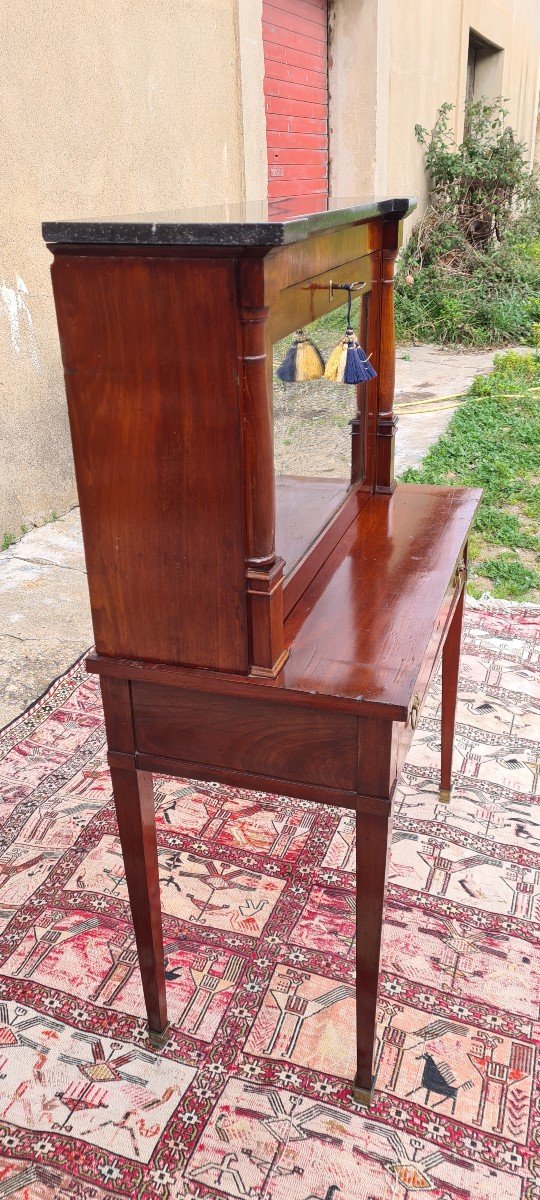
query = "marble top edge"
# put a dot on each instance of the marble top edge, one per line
(226, 225)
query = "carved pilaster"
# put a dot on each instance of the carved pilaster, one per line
(363, 466)
(264, 573)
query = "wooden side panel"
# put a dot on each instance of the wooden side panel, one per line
(268, 739)
(149, 347)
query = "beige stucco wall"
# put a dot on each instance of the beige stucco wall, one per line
(358, 74)
(393, 64)
(424, 65)
(105, 109)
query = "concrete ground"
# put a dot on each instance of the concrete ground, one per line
(44, 613)
(427, 380)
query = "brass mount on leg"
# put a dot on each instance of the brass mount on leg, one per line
(157, 1039)
(362, 1095)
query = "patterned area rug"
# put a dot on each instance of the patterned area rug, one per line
(251, 1095)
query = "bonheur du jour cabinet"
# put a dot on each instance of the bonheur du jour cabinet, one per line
(272, 633)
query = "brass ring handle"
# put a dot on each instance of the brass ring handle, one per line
(415, 712)
(357, 286)
(353, 287)
(460, 575)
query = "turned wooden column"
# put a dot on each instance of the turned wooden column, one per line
(363, 464)
(386, 419)
(264, 570)
(358, 422)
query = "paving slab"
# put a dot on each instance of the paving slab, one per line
(44, 612)
(426, 371)
(433, 374)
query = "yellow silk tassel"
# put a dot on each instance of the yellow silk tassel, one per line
(336, 363)
(309, 364)
(302, 361)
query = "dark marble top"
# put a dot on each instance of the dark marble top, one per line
(277, 224)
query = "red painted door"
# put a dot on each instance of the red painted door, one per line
(295, 37)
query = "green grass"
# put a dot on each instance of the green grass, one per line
(493, 442)
(494, 301)
(511, 578)
(9, 539)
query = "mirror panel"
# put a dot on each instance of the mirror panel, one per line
(312, 439)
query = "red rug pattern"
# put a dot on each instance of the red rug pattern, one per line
(251, 1096)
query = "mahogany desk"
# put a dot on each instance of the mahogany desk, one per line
(275, 634)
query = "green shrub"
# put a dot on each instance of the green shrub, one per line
(470, 273)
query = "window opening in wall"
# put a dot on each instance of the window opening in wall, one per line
(484, 68)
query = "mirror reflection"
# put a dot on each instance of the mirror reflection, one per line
(312, 435)
(311, 417)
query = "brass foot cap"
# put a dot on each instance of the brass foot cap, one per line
(445, 795)
(158, 1039)
(362, 1095)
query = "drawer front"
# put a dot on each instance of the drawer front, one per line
(260, 737)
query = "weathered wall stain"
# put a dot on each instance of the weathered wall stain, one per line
(14, 307)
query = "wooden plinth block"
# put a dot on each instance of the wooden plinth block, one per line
(386, 431)
(268, 653)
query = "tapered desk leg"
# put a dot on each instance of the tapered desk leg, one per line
(450, 673)
(372, 835)
(134, 804)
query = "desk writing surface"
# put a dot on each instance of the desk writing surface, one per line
(362, 628)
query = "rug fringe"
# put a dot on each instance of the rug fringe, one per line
(490, 603)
